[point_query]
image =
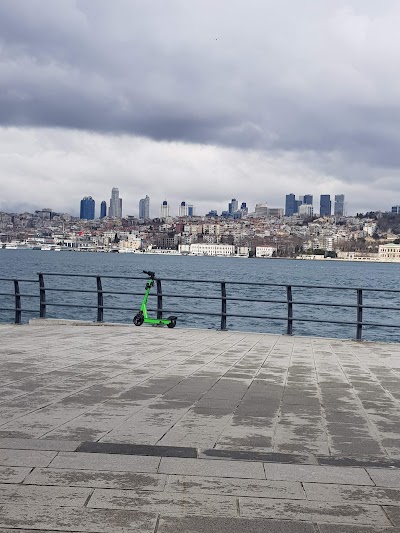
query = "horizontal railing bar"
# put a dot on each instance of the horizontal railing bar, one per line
(20, 280)
(380, 307)
(261, 284)
(20, 294)
(71, 305)
(56, 289)
(250, 300)
(378, 325)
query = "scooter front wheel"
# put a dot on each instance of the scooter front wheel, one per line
(171, 324)
(138, 319)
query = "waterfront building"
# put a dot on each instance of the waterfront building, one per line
(290, 205)
(325, 205)
(265, 251)
(115, 210)
(144, 208)
(389, 252)
(212, 249)
(339, 205)
(164, 211)
(87, 208)
(103, 209)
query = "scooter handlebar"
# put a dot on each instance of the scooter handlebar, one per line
(149, 273)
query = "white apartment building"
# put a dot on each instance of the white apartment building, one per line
(265, 251)
(212, 249)
(389, 252)
(306, 210)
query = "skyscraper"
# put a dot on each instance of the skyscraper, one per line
(103, 209)
(190, 209)
(233, 206)
(339, 205)
(115, 210)
(87, 208)
(183, 210)
(164, 212)
(308, 199)
(144, 208)
(290, 205)
(325, 205)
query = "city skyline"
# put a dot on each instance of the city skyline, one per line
(304, 206)
(171, 102)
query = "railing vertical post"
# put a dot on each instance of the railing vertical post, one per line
(17, 302)
(289, 310)
(359, 314)
(223, 305)
(100, 302)
(42, 297)
(159, 299)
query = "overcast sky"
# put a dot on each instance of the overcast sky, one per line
(199, 100)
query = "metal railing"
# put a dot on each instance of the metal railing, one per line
(44, 291)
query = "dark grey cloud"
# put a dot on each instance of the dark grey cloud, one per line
(230, 98)
(295, 76)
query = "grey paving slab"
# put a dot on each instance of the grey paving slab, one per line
(337, 513)
(317, 474)
(13, 474)
(176, 504)
(57, 384)
(235, 487)
(26, 457)
(340, 528)
(94, 478)
(230, 525)
(40, 495)
(352, 493)
(394, 514)
(385, 477)
(71, 519)
(36, 444)
(211, 468)
(101, 461)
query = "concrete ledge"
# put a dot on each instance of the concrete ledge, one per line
(66, 322)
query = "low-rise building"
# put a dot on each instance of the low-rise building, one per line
(389, 252)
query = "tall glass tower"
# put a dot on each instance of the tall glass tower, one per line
(308, 199)
(144, 208)
(87, 208)
(233, 206)
(164, 211)
(339, 205)
(290, 205)
(103, 209)
(325, 205)
(115, 210)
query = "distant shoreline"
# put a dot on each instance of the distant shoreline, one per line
(176, 254)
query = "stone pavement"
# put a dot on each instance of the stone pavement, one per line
(155, 430)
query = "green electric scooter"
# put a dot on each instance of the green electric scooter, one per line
(142, 316)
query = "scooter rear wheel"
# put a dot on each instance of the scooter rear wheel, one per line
(138, 319)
